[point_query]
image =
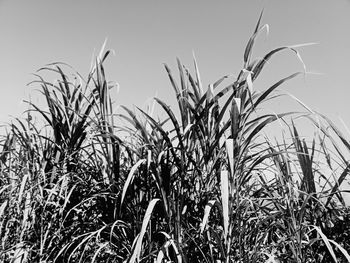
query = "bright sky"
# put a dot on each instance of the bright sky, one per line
(145, 34)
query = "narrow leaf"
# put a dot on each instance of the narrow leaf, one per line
(207, 210)
(225, 200)
(136, 251)
(129, 179)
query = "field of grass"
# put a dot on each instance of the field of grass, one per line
(206, 184)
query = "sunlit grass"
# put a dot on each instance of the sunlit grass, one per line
(204, 185)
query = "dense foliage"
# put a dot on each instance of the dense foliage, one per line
(205, 184)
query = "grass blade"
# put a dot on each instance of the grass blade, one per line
(224, 187)
(130, 178)
(207, 210)
(136, 251)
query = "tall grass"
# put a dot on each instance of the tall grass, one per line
(208, 185)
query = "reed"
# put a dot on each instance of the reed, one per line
(204, 185)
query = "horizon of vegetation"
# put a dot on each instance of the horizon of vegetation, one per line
(80, 182)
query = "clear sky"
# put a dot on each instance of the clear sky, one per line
(145, 34)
